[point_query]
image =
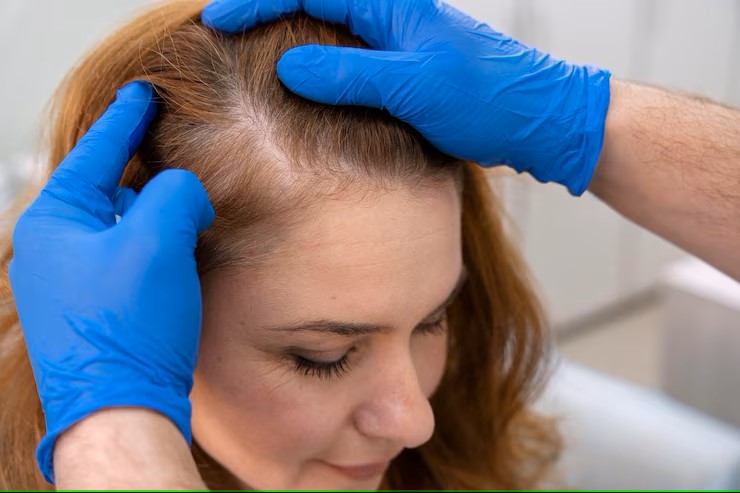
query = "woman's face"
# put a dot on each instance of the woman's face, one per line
(317, 365)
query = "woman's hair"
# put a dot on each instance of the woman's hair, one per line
(263, 152)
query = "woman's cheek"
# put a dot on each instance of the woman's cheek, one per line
(263, 400)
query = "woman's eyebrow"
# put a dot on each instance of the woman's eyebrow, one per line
(350, 329)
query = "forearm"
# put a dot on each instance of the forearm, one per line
(124, 448)
(671, 163)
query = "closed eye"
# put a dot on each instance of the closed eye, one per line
(339, 368)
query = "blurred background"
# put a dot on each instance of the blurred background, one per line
(623, 303)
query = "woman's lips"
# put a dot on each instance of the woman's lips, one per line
(361, 473)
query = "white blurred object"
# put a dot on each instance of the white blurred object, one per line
(621, 436)
(701, 347)
(15, 172)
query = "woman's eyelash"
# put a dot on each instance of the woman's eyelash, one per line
(438, 327)
(339, 368)
(320, 369)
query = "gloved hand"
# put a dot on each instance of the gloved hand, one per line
(110, 311)
(471, 91)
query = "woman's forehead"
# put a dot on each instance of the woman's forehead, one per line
(362, 256)
(365, 231)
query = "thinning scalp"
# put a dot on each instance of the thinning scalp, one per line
(256, 146)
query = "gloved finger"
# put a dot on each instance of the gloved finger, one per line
(353, 76)
(123, 200)
(173, 204)
(101, 154)
(235, 16)
(369, 19)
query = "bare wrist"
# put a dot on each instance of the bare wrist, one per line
(119, 448)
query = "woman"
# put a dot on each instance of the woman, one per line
(362, 306)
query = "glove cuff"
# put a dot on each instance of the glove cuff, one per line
(597, 96)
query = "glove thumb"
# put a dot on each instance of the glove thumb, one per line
(353, 76)
(173, 205)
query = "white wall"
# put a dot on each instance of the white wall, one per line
(584, 256)
(39, 41)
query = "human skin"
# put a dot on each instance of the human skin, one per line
(387, 258)
(383, 258)
(671, 163)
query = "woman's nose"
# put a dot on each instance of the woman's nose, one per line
(397, 408)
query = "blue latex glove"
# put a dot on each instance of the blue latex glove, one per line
(110, 312)
(471, 91)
